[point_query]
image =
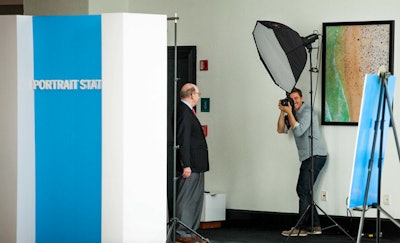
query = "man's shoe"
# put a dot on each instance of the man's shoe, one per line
(315, 231)
(184, 240)
(294, 232)
(197, 239)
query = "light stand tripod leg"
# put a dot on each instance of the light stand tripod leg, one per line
(172, 229)
(335, 223)
(172, 224)
(298, 223)
(389, 216)
(329, 217)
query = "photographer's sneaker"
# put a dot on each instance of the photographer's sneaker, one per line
(315, 231)
(294, 232)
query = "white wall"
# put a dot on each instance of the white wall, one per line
(8, 129)
(59, 7)
(114, 6)
(17, 155)
(250, 162)
(73, 7)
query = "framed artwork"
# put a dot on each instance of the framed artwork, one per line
(350, 51)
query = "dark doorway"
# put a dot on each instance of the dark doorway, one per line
(11, 9)
(186, 73)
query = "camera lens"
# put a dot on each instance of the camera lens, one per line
(284, 102)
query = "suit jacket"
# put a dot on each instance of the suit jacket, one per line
(193, 150)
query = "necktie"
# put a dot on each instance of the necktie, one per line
(194, 112)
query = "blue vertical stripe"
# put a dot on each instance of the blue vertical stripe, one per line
(68, 130)
(365, 140)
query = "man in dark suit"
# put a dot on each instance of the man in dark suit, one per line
(192, 162)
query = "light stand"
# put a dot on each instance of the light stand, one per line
(282, 51)
(380, 117)
(174, 221)
(307, 43)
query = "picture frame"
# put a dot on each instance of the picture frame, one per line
(350, 51)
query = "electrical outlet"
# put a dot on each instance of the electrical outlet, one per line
(386, 199)
(324, 195)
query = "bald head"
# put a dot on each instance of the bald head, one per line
(187, 90)
(190, 93)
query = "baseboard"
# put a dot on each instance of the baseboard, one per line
(210, 225)
(282, 221)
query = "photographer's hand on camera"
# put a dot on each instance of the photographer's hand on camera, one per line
(285, 110)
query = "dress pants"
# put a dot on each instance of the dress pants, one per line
(189, 203)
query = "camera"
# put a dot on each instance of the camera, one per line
(286, 101)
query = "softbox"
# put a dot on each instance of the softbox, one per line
(282, 52)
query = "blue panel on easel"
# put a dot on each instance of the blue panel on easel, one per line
(365, 139)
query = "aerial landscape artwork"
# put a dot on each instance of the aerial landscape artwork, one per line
(351, 50)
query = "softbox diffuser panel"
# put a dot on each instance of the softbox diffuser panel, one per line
(281, 51)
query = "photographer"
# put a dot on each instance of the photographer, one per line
(298, 120)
